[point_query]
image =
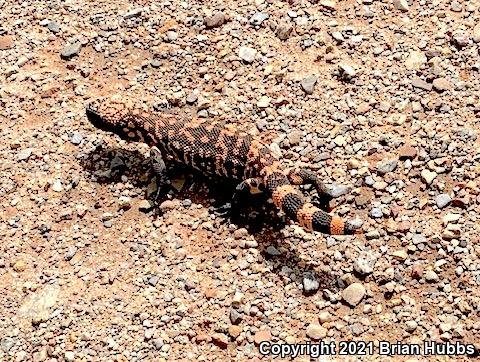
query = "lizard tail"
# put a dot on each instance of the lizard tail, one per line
(310, 217)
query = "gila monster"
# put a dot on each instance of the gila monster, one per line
(220, 150)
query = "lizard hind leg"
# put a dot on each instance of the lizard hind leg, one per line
(303, 176)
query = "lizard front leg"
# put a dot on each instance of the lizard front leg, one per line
(159, 169)
(243, 191)
(241, 195)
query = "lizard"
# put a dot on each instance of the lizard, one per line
(223, 151)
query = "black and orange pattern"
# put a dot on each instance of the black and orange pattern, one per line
(223, 151)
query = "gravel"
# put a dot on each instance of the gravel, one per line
(378, 99)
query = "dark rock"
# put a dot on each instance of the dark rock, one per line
(273, 251)
(133, 13)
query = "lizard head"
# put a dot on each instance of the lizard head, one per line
(115, 114)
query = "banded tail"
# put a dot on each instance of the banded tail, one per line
(310, 217)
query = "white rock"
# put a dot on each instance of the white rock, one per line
(247, 54)
(415, 59)
(263, 102)
(57, 186)
(451, 218)
(400, 254)
(401, 5)
(431, 276)
(316, 331)
(328, 4)
(428, 176)
(69, 356)
(476, 33)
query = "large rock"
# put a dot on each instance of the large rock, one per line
(401, 5)
(37, 306)
(476, 33)
(6, 42)
(316, 331)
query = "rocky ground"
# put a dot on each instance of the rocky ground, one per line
(378, 96)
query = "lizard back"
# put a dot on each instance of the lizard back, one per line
(205, 146)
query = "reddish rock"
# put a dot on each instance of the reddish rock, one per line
(6, 42)
(407, 152)
(201, 337)
(220, 340)
(441, 84)
(211, 293)
(417, 271)
(461, 202)
(365, 197)
(261, 336)
(403, 226)
(235, 331)
(215, 21)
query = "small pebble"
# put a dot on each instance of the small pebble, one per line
(215, 21)
(316, 331)
(247, 54)
(71, 50)
(443, 200)
(308, 84)
(354, 293)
